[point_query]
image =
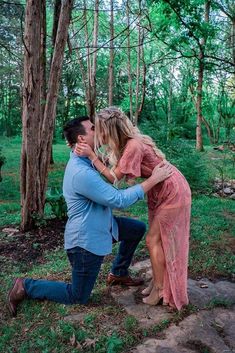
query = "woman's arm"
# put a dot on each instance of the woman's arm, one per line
(83, 149)
(161, 172)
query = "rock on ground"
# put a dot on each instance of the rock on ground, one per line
(207, 331)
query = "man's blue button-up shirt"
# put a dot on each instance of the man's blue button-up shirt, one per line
(90, 201)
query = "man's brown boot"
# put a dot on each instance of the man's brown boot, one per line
(113, 280)
(15, 295)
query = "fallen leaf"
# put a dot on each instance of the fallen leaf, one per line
(89, 342)
(72, 340)
(10, 230)
(79, 346)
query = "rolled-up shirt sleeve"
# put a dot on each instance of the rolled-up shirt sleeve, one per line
(89, 183)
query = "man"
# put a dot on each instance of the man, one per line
(90, 228)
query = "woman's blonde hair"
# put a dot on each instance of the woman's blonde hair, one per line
(113, 128)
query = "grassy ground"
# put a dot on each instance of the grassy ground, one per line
(105, 327)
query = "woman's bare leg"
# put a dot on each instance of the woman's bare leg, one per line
(157, 257)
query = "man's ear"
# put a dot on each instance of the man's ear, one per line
(81, 138)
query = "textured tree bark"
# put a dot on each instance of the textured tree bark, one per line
(199, 140)
(140, 86)
(56, 16)
(233, 41)
(52, 94)
(94, 61)
(137, 75)
(89, 73)
(38, 127)
(30, 181)
(111, 55)
(210, 132)
(169, 106)
(129, 61)
(143, 83)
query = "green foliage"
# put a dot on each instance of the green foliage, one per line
(2, 161)
(55, 199)
(38, 220)
(114, 344)
(191, 163)
(2, 158)
(182, 154)
(130, 323)
(89, 320)
(161, 326)
(219, 302)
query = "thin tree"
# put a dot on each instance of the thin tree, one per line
(129, 61)
(201, 68)
(94, 61)
(111, 55)
(138, 68)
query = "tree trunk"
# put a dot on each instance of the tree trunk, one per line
(137, 75)
(210, 132)
(143, 85)
(199, 141)
(83, 73)
(129, 61)
(89, 73)
(36, 145)
(56, 17)
(52, 94)
(31, 201)
(169, 110)
(94, 62)
(233, 41)
(140, 57)
(111, 55)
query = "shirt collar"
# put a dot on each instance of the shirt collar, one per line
(84, 159)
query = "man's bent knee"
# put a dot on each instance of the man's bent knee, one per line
(141, 229)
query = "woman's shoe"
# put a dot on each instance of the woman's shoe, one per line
(148, 289)
(155, 296)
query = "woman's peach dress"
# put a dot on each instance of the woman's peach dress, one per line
(169, 204)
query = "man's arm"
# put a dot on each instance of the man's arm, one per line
(89, 183)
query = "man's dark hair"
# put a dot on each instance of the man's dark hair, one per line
(73, 128)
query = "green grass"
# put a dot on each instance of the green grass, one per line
(10, 185)
(212, 237)
(105, 327)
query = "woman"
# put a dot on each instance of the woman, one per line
(134, 155)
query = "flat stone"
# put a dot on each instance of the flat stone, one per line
(206, 331)
(228, 190)
(232, 196)
(146, 315)
(201, 292)
(141, 265)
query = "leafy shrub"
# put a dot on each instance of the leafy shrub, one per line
(55, 199)
(2, 161)
(191, 163)
(181, 153)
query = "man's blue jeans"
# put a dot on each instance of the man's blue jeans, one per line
(86, 266)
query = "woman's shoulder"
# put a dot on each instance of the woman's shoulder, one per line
(134, 143)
